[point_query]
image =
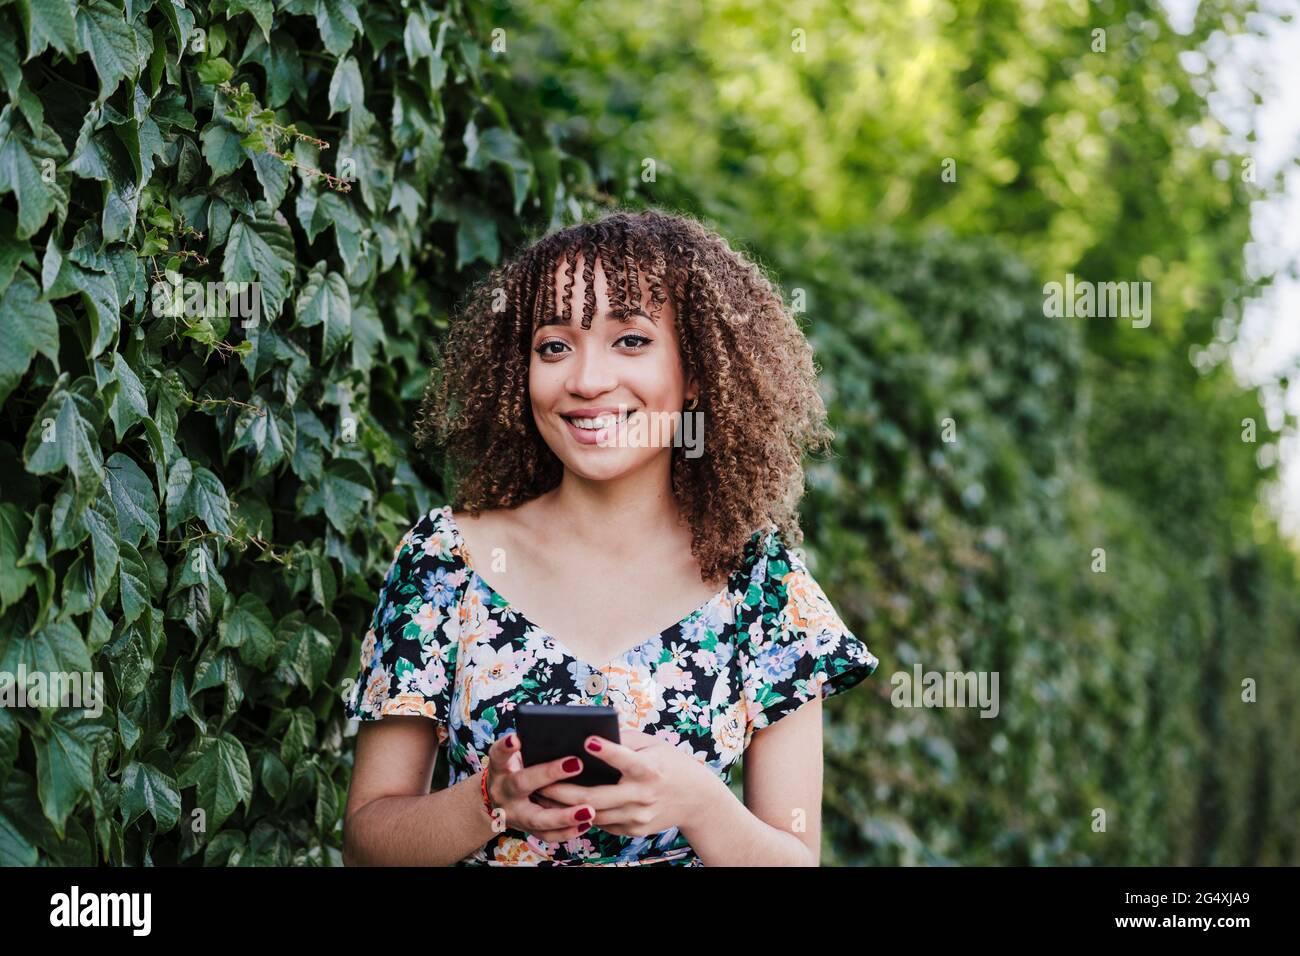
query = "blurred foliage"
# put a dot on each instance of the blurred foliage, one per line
(816, 136)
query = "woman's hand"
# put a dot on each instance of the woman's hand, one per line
(661, 786)
(511, 787)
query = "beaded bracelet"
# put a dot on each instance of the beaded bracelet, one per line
(487, 801)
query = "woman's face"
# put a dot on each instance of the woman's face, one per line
(613, 368)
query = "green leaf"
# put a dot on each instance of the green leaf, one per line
(15, 849)
(27, 168)
(27, 327)
(324, 300)
(348, 93)
(283, 66)
(134, 501)
(50, 23)
(63, 770)
(261, 250)
(67, 516)
(180, 19)
(218, 767)
(327, 803)
(248, 625)
(14, 529)
(275, 779)
(215, 70)
(99, 293)
(415, 38)
(65, 434)
(367, 333)
(262, 11)
(268, 430)
(130, 404)
(146, 789)
(100, 155)
(101, 520)
(196, 493)
(307, 650)
(133, 583)
(221, 149)
(103, 32)
(219, 670)
(132, 651)
(196, 597)
(55, 647)
(78, 588)
(13, 251)
(272, 172)
(345, 490)
(338, 23)
(505, 149)
(476, 237)
(298, 737)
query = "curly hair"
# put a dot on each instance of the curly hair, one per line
(755, 369)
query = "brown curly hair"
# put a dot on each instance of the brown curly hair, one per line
(755, 369)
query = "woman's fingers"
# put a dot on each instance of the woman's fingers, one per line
(562, 820)
(540, 775)
(528, 810)
(502, 749)
(572, 794)
(623, 759)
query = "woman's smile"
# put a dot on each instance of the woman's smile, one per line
(595, 430)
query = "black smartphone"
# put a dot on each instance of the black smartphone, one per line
(551, 731)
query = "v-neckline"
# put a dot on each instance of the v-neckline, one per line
(559, 644)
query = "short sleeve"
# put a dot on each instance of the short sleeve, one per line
(408, 656)
(797, 645)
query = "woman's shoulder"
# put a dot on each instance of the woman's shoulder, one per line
(433, 542)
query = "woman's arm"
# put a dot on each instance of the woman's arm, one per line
(391, 818)
(779, 824)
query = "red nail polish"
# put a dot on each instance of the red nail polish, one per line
(593, 745)
(571, 765)
(583, 814)
(583, 828)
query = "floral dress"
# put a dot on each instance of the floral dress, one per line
(443, 644)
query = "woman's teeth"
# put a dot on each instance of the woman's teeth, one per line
(595, 424)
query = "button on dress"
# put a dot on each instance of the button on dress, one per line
(444, 645)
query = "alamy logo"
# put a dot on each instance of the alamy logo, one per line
(77, 689)
(946, 689)
(102, 909)
(1104, 300)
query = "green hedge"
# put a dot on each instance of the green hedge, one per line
(200, 510)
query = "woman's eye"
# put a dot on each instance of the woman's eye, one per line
(637, 342)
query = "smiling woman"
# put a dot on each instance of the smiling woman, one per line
(663, 586)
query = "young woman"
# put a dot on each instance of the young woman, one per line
(599, 552)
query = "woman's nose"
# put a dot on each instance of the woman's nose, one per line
(590, 371)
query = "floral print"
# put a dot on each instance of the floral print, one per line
(443, 644)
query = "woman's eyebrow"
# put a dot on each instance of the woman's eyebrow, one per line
(633, 314)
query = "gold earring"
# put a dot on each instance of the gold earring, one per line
(693, 404)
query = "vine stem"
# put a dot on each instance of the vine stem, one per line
(224, 401)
